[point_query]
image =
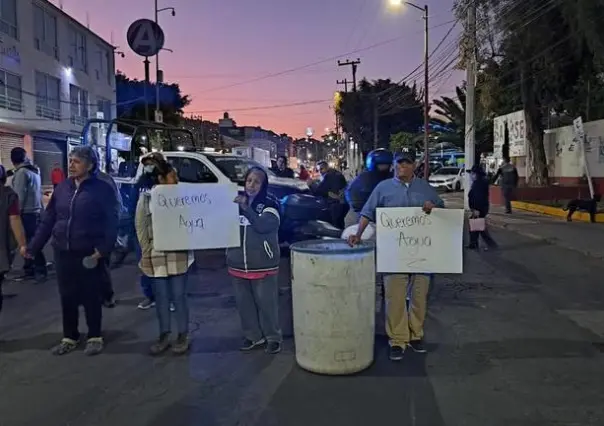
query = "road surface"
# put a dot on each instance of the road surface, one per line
(516, 340)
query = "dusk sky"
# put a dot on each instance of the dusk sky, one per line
(221, 47)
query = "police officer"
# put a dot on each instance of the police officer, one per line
(378, 164)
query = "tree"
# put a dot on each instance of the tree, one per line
(134, 97)
(403, 142)
(398, 106)
(453, 122)
(546, 49)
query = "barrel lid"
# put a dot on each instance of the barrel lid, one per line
(331, 247)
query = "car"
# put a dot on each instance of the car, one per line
(447, 178)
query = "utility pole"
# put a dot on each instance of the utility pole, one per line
(470, 100)
(354, 65)
(344, 83)
(376, 134)
(145, 87)
(426, 98)
(157, 76)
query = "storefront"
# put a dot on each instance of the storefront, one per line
(8, 141)
(49, 149)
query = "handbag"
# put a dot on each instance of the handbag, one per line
(477, 224)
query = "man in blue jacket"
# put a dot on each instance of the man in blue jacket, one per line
(405, 328)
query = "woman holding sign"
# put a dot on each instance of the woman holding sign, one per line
(255, 264)
(168, 271)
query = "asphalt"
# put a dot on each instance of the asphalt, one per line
(518, 339)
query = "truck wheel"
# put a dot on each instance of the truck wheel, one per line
(458, 186)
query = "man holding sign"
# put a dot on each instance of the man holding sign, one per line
(404, 190)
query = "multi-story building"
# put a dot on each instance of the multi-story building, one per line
(55, 74)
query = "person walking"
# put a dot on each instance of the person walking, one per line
(12, 235)
(28, 186)
(167, 271)
(254, 266)
(405, 327)
(478, 201)
(82, 219)
(56, 175)
(508, 176)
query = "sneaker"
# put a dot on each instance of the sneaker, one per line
(64, 347)
(172, 307)
(181, 345)
(146, 304)
(249, 345)
(94, 346)
(273, 348)
(396, 353)
(162, 344)
(418, 346)
(110, 303)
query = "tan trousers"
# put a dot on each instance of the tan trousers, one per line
(402, 326)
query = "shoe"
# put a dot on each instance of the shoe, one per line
(110, 303)
(273, 348)
(162, 344)
(396, 353)
(172, 307)
(181, 345)
(94, 346)
(64, 347)
(146, 304)
(249, 345)
(418, 346)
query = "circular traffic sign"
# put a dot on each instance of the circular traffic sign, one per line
(145, 37)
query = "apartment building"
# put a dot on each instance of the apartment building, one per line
(55, 74)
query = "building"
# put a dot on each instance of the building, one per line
(54, 74)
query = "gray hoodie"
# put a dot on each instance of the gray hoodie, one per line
(28, 186)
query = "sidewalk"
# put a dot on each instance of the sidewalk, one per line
(585, 238)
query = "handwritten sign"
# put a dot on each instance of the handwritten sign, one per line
(194, 216)
(410, 241)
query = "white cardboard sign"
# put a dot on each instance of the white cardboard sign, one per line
(192, 216)
(410, 241)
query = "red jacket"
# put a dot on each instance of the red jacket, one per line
(57, 176)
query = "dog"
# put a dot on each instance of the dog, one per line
(590, 206)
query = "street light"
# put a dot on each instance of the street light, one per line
(424, 10)
(157, 11)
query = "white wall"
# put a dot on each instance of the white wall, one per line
(31, 59)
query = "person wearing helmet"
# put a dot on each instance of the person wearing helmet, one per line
(378, 165)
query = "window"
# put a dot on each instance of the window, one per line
(11, 96)
(48, 96)
(192, 171)
(45, 32)
(102, 71)
(104, 105)
(78, 98)
(8, 18)
(78, 54)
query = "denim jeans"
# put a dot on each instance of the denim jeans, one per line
(37, 265)
(258, 305)
(171, 289)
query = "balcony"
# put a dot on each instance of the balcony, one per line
(79, 120)
(11, 104)
(48, 112)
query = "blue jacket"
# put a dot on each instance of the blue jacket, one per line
(362, 186)
(79, 219)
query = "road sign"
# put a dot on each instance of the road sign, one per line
(145, 37)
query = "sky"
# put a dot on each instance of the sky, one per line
(273, 63)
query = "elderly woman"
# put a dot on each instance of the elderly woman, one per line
(82, 220)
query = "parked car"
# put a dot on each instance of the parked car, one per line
(447, 178)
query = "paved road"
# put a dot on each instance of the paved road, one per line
(517, 340)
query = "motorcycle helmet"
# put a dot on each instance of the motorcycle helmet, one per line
(378, 156)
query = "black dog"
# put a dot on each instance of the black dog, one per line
(590, 206)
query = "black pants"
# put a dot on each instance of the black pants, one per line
(338, 212)
(1, 295)
(37, 265)
(508, 193)
(107, 283)
(79, 286)
(486, 236)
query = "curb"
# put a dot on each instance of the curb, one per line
(555, 211)
(547, 240)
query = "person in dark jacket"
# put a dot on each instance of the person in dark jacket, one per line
(478, 200)
(378, 168)
(255, 265)
(28, 186)
(82, 219)
(508, 178)
(281, 169)
(12, 234)
(331, 188)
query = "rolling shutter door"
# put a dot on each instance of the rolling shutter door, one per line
(8, 141)
(47, 152)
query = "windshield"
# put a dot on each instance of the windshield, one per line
(235, 168)
(447, 171)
